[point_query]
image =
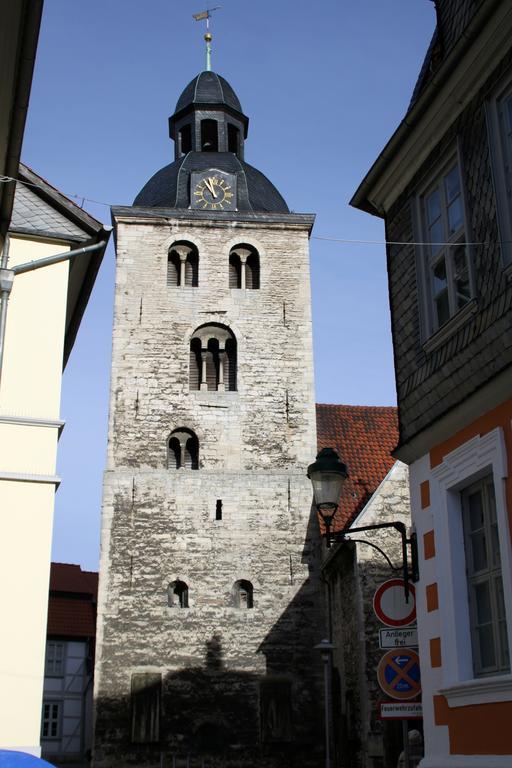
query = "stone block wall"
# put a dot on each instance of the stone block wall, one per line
(237, 686)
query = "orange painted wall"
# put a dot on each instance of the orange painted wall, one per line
(482, 729)
(498, 417)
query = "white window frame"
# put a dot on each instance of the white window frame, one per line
(478, 457)
(59, 704)
(49, 665)
(501, 158)
(487, 575)
(425, 259)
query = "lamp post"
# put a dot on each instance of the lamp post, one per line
(327, 474)
(326, 648)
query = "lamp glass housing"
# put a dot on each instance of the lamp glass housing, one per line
(327, 488)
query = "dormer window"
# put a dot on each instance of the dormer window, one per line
(209, 136)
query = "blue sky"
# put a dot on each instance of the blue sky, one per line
(324, 84)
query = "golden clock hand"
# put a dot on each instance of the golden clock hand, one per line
(209, 184)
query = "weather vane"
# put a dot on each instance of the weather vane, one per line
(208, 37)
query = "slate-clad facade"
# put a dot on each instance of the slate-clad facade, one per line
(443, 186)
(209, 580)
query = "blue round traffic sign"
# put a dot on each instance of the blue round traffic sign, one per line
(398, 674)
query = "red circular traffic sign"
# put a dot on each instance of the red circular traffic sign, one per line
(398, 674)
(390, 606)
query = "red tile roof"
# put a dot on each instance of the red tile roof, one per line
(71, 617)
(72, 603)
(364, 437)
(65, 577)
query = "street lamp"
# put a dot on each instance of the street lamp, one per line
(326, 648)
(327, 474)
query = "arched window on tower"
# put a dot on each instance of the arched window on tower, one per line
(183, 265)
(183, 449)
(244, 267)
(242, 594)
(209, 136)
(213, 359)
(177, 594)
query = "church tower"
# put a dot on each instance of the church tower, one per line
(209, 604)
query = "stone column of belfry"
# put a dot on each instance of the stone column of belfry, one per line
(226, 675)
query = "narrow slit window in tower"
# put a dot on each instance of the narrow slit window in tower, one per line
(243, 594)
(218, 510)
(177, 594)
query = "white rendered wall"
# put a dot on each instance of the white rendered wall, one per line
(29, 394)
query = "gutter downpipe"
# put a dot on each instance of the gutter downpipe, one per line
(7, 278)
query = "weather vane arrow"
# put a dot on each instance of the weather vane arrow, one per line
(205, 16)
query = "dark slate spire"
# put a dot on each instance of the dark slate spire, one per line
(208, 88)
(209, 129)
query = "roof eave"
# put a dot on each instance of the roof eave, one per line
(366, 197)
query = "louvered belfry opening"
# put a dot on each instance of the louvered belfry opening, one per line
(185, 139)
(213, 359)
(195, 364)
(183, 450)
(209, 136)
(252, 271)
(230, 373)
(244, 267)
(174, 453)
(212, 365)
(235, 271)
(183, 265)
(173, 269)
(233, 139)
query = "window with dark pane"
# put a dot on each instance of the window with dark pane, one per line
(445, 233)
(489, 635)
(50, 721)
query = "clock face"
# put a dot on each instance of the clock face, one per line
(213, 191)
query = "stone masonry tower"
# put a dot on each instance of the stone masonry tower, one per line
(209, 587)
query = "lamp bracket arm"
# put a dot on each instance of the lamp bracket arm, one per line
(399, 526)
